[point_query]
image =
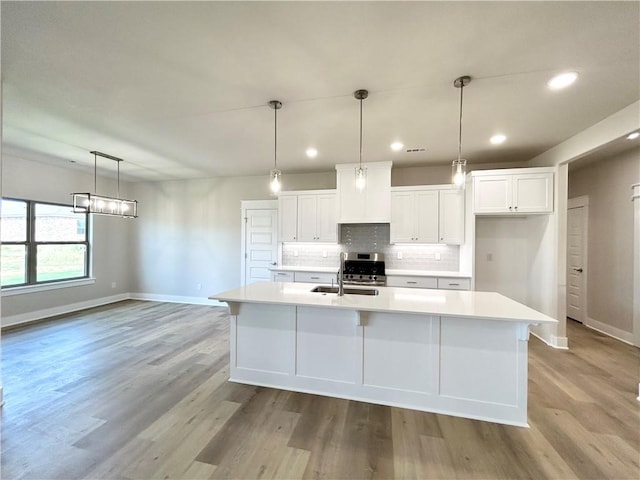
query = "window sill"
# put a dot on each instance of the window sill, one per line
(7, 292)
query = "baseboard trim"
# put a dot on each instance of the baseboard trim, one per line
(560, 343)
(618, 334)
(23, 318)
(39, 315)
(175, 299)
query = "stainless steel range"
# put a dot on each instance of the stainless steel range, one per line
(364, 269)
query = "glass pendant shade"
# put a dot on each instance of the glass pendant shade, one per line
(361, 179)
(458, 172)
(274, 183)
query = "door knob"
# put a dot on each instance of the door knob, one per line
(274, 263)
(577, 270)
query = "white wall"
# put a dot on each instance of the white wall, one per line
(189, 232)
(111, 236)
(610, 239)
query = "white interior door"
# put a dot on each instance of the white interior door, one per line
(261, 244)
(576, 263)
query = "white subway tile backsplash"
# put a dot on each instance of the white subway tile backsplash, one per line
(372, 238)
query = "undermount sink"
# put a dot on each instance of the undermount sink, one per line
(347, 290)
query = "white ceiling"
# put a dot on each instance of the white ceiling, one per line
(180, 89)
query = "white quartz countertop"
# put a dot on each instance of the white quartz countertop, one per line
(388, 271)
(455, 303)
(305, 269)
(426, 273)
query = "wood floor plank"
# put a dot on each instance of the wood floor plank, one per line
(139, 390)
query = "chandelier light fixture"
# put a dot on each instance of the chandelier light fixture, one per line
(102, 205)
(275, 176)
(361, 174)
(458, 167)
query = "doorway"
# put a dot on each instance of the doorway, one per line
(577, 228)
(259, 240)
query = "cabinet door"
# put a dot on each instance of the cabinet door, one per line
(307, 206)
(492, 194)
(426, 216)
(377, 206)
(326, 218)
(288, 213)
(351, 201)
(451, 217)
(402, 227)
(533, 193)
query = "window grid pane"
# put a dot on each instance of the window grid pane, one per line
(14, 220)
(60, 261)
(14, 265)
(58, 223)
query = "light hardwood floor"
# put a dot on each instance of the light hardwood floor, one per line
(138, 390)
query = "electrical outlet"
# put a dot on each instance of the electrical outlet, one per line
(199, 286)
(295, 253)
(489, 257)
(399, 255)
(324, 254)
(114, 284)
(438, 256)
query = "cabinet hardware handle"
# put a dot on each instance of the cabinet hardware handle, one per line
(411, 283)
(577, 270)
(509, 207)
(516, 207)
(454, 284)
(315, 278)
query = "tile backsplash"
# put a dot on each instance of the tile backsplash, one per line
(365, 237)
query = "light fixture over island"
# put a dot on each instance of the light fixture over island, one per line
(452, 352)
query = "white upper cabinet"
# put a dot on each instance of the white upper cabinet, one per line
(317, 220)
(513, 191)
(373, 204)
(432, 214)
(451, 216)
(288, 217)
(308, 216)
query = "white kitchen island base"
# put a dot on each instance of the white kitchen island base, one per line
(473, 367)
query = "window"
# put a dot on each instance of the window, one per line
(42, 243)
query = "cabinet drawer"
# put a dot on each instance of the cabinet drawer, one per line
(282, 276)
(314, 277)
(412, 282)
(454, 283)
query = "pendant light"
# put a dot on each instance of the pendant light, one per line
(361, 173)
(275, 176)
(458, 167)
(100, 204)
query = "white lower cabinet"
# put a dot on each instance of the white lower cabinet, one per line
(454, 283)
(282, 276)
(442, 283)
(314, 277)
(412, 282)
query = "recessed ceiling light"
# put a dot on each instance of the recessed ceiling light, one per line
(396, 146)
(563, 80)
(311, 152)
(497, 139)
(633, 136)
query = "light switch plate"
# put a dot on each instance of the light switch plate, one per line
(399, 255)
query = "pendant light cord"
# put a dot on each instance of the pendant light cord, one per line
(275, 139)
(95, 173)
(460, 130)
(361, 133)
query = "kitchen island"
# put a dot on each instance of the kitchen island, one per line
(451, 352)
